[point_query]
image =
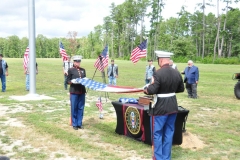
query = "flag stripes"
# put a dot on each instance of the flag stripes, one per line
(62, 52)
(139, 52)
(102, 60)
(99, 104)
(26, 58)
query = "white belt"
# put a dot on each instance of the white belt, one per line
(166, 95)
(161, 95)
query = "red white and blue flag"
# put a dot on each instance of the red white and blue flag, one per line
(26, 58)
(91, 84)
(99, 104)
(62, 52)
(102, 60)
(139, 52)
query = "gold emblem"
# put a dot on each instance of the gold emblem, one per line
(133, 121)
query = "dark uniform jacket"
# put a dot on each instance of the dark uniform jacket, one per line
(74, 73)
(166, 80)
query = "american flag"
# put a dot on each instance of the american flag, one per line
(26, 58)
(102, 60)
(99, 104)
(62, 52)
(139, 52)
(91, 84)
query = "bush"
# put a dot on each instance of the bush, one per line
(207, 60)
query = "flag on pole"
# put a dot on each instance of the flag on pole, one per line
(26, 58)
(100, 107)
(62, 52)
(139, 52)
(99, 104)
(102, 60)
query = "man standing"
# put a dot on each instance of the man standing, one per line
(150, 69)
(27, 74)
(191, 79)
(3, 72)
(77, 93)
(166, 82)
(112, 73)
(66, 65)
(174, 66)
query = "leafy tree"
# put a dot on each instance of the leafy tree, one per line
(73, 43)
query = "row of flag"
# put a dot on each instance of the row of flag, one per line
(61, 50)
(102, 61)
(137, 53)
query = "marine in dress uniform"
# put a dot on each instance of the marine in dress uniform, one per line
(165, 83)
(77, 93)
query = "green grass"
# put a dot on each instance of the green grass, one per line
(213, 118)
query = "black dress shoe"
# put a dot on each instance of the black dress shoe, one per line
(80, 127)
(75, 128)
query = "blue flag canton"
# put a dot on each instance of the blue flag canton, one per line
(61, 45)
(104, 52)
(128, 100)
(91, 84)
(143, 45)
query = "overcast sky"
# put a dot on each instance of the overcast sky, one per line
(55, 18)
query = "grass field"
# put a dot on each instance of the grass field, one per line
(40, 129)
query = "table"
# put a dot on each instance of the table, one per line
(133, 121)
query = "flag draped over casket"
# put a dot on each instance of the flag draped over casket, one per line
(91, 84)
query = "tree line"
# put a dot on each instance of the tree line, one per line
(198, 36)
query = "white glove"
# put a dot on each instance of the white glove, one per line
(146, 86)
(74, 81)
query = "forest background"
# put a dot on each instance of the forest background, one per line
(204, 38)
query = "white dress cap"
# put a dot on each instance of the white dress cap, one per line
(77, 58)
(163, 54)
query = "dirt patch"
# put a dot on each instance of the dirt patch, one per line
(191, 141)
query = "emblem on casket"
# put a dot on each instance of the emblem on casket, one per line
(132, 119)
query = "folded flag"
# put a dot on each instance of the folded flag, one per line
(91, 84)
(128, 100)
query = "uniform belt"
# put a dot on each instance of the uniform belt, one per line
(166, 95)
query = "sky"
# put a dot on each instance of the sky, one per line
(55, 18)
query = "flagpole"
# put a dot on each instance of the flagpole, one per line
(103, 76)
(93, 77)
(32, 46)
(101, 65)
(101, 114)
(147, 50)
(58, 43)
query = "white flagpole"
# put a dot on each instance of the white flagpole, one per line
(32, 46)
(146, 49)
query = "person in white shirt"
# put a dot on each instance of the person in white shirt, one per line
(150, 69)
(174, 66)
(66, 65)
